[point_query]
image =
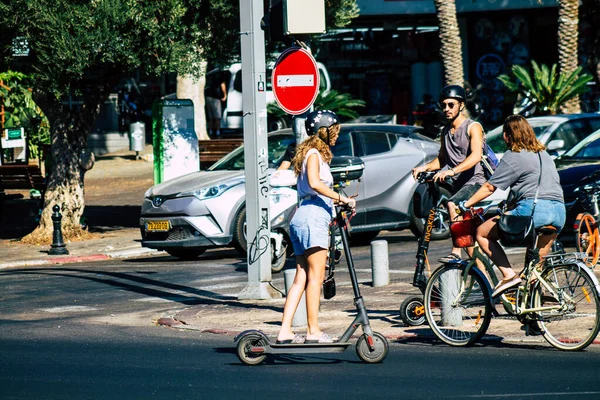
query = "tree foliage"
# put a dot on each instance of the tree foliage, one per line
(342, 104)
(21, 111)
(549, 88)
(82, 47)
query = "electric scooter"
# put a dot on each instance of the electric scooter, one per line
(412, 309)
(253, 346)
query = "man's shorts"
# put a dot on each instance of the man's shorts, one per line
(464, 193)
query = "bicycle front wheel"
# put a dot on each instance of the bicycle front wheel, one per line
(457, 308)
(574, 321)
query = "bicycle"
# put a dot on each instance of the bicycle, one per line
(586, 209)
(559, 299)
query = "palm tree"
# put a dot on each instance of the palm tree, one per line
(549, 89)
(568, 22)
(450, 42)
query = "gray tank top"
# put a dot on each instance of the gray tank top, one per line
(458, 147)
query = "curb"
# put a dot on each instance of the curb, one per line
(123, 254)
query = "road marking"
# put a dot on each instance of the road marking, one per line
(69, 309)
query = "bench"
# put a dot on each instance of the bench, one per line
(20, 176)
(213, 150)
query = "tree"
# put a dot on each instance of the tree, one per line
(549, 89)
(568, 22)
(81, 49)
(450, 42)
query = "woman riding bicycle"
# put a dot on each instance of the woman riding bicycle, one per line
(519, 169)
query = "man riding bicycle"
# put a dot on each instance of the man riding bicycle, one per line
(459, 157)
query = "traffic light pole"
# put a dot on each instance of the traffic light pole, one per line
(256, 160)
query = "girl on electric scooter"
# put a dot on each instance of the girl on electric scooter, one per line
(309, 228)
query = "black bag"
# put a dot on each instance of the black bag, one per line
(329, 287)
(518, 230)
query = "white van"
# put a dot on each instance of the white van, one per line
(233, 111)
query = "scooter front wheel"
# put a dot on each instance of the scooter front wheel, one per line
(412, 311)
(379, 352)
(244, 349)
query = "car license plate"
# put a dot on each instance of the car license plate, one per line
(158, 226)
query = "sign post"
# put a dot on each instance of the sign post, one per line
(256, 159)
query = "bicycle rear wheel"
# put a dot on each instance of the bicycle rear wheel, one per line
(458, 312)
(587, 238)
(575, 324)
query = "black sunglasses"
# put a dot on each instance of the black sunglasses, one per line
(450, 105)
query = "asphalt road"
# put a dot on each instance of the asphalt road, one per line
(87, 331)
(45, 360)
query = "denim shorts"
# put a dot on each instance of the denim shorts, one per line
(547, 212)
(310, 225)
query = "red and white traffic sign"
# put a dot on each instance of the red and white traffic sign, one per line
(295, 80)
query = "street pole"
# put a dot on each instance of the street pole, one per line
(256, 160)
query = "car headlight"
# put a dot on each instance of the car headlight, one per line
(212, 191)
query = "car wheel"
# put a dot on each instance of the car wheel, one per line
(275, 124)
(187, 254)
(441, 224)
(239, 233)
(363, 238)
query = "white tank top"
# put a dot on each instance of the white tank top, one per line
(304, 188)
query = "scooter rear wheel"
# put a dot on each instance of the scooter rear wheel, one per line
(412, 311)
(380, 348)
(244, 347)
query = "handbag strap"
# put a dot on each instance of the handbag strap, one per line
(538, 186)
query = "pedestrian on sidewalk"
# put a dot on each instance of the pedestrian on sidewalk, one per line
(309, 228)
(459, 157)
(215, 93)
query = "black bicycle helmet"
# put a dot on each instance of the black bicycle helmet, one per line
(318, 119)
(453, 92)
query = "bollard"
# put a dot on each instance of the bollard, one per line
(300, 315)
(379, 263)
(58, 246)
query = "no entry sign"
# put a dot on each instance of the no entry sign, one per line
(295, 80)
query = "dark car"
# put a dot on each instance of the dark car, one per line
(578, 168)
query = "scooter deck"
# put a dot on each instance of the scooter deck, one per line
(273, 348)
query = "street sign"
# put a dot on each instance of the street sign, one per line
(295, 80)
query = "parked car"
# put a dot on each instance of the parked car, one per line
(204, 209)
(578, 167)
(557, 132)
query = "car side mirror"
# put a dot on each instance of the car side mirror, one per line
(555, 145)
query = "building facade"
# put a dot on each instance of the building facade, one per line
(389, 56)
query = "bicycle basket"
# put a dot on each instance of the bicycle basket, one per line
(463, 232)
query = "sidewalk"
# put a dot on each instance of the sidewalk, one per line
(114, 189)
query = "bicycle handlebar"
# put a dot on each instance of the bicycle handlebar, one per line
(427, 176)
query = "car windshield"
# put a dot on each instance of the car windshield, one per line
(587, 148)
(235, 160)
(496, 141)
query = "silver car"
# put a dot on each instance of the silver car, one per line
(206, 209)
(557, 132)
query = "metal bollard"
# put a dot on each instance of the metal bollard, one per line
(380, 264)
(300, 315)
(57, 247)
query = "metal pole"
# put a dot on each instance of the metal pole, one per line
(256, 161)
